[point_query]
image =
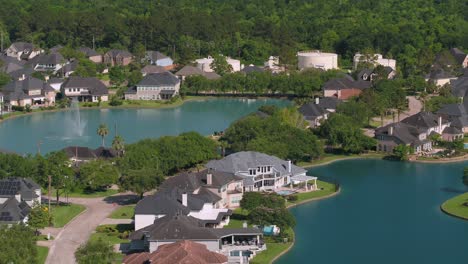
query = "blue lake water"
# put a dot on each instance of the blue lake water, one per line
(57, 130)
(387, 212)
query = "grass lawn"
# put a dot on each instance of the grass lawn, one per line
(327, 158)
(328, 188)
(64, 213)
(273, 250)
(42, 254)
(237, 218)
(455, 206)
(113, 234)
(124, 212)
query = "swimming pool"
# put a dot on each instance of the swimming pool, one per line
(285, 192)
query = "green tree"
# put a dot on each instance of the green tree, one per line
(98, 174)
(272, 216)
(220, 65)
(39, 216)
(18, 244)
(141, 181)
(95, 252)
(252, 200)
(117, 75)
(402, 152)
(86, 68)
(4, 78)
(102, 131)
(57, 166)
(118, 144)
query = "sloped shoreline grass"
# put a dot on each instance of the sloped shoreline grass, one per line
(63, 214)
(456, 206)
(124, 212)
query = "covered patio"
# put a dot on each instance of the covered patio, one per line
(304, 179)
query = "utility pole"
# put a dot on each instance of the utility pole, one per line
(94, 45)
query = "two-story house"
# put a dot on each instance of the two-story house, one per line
(345, 87)
(50, 62)
(117, 57)
(261, 172)
(91, 54)
(23, 51)
(155, 86)
(28, 91)
(17, 197)
(85, 89)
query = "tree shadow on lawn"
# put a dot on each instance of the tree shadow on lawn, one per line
(122, 199)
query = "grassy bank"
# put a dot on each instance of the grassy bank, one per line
(329, 158)
(326, 189)
(124, 212)
(42, 253)
(457, 206)
(62, 214)
(274, 250)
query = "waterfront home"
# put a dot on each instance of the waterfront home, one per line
(317, 60)
(181, 252)
(23, 51)
(28, 91)
(314, 113)
(373, 59)
(17, 196)
(204, 64)
(85, 89)
(345, 87)
(205, 195)
(117, 57)
(155, 86)
(50, 62)
(91, 54)
(194, 71)
(457, 114)
(171, 229)
(261, 172)
(415, 131)
(56, 83)
(77, 154)
(459, 86)
(159, 59)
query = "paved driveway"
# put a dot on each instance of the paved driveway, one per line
(76, 232)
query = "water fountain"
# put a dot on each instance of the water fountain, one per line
(76, 123)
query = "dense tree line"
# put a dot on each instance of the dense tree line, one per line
(280, 135)
(306, 83)
(18, 245)
(411, 31)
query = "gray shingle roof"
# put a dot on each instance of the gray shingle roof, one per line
(252, 68)
(402, 133)
(21, 46)
(459, 55)
(115, 52)
(460, 86)
(452, 131)
(189, 70)
(23, 186)
(423, 120)
(94, 85)
(88, 52)
(346, 82)
(242, 161)
(159, 79)
(53, 58)
(13, 211)
(155, 55)
(153, 69)
(161, 203)
(312, 110)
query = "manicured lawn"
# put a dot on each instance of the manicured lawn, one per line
(327, 158)
(112, 239)
(113, 234)
(455, 206)
(273, 250)
(64, 213)
(42, 254)
(328, 188)
(237, 218)
(124, 212)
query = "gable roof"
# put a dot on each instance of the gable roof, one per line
(346, 82)
(53, 58)
(155, 55)
(88, 52)
(181, 252)
(22, 46)
(312, 110)
(402, 133)
(12, 211)
(188, 70)
(423, 120)
(159, 79)
(459, 55)
(25, 187)
(460, 86)
(93, 84)
(148, 69)
(115, 52)
(160, 204)
(244, 160)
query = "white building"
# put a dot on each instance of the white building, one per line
(377, 59)
(205, 64)
(317, 60)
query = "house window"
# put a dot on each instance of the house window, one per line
(252, 172)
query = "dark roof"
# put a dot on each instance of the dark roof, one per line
(155, 55)
(12, 211)
(53, 58)
(88, 52)
(105, 153)
(17, 90)
(402, 133)
(56, 49)
(116, 52)
(70, 67)
(346, 82)
(312, 110)
(190, 182)
(93, 84)
(423, 120)
(329, 102)
(211, 75)
(460, 86)
(459, 55)
(160, 204)
(21, 46)
(10, 64)
(79, 152)
(23, 186)
(159, 79)
(459, 122)
(439, 73)
(26, 71)
(188, 70)
(454, 109)
(153, 69)
(452, 130)
(252, 68)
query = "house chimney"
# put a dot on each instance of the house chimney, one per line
(317, 100)
(289, 166)
(390, 130)
(440, 124)
(209, 179)
(22, 77)
(184, 199)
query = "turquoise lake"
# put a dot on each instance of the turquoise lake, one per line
(56, 130)
(386, 212)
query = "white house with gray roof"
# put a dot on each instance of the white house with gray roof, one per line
(85, 89)
(17, 196)
(261, 172)
(155, 86)
(23, 51)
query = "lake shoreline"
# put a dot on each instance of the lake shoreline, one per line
(446, 207)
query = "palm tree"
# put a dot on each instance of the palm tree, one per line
(223, 145)
(102, 131)
(119, 145)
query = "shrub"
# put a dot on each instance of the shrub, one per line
(292, 198)
(17, 108)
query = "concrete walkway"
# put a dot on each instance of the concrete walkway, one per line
(77, 232)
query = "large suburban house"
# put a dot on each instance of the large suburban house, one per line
(345, 87)
(159, 59)
(78, 154)
(205, 195)
(23, 51)
(459, 86)
(181, 252)
(28, 91)
(317, 60)
(156, 86)
(85, 89)
(261, 172)
(50, 62)
(188, 70)
(415, 131)
(17, 197)
(319, 110)
(91, 54)
(375, 59)
(457, 114)
(453, 58)
(205, 64)
(440, 76)
(117, 57)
